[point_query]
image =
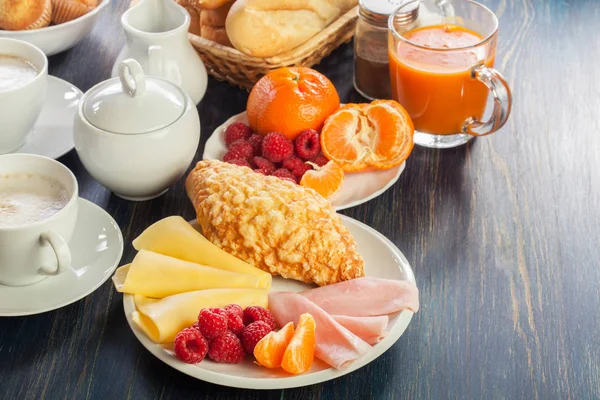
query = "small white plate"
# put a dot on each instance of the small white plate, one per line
(58, 38)
(382, 259)
(358, 187)
(52, 134)
(96, 249)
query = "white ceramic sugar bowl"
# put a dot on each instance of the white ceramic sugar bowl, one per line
(136, 134)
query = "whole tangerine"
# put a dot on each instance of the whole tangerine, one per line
(290, 100)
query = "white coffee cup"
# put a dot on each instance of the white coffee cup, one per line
(20, 106)
(36, 250)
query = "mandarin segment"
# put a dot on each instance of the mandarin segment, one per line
(291, 100)
(269, 350)
(300, 352)
(395, 131)
(326, 180)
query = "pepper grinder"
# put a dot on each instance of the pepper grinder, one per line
(371, 64)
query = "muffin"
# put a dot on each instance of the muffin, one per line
(25, 14)
(68, 10)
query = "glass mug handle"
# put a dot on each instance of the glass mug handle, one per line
(502, 102)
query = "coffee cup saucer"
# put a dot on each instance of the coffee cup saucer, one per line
(96, 250)
(52, 134)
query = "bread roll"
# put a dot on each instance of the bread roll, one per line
(209, 4)
(215, 17)
(194, 20)
(264, 28)
(212, 25)
(216, 34)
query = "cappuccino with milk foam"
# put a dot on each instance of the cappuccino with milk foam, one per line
(28, 198)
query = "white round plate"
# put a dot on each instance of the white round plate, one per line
(52, 134)
(382, 259)
(358, 187)
(96, 249)
(57, 38)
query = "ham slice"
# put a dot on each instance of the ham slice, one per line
(370, 329)
(336, 345)
(365, 297)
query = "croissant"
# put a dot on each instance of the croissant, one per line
(275, 225)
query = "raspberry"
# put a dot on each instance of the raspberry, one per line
(234, 321)
(190, 346)
(296, 166)
(226, 348)
(233, 315)
(292, 163)
(256, 142)
(211, 323)
(253, 333)
(240, 150)
(301, 170)
(285, 173)
(237, 131)
(307, 144)
(320, 160)
(264, 164)
(195, 326)
(276, 147)
(235, 308)
(257, 313)
(242, 163)
(262, 171)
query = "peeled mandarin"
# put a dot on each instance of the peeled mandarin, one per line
(378, 134)
(346, 137)
(300, 352)
(395, 133)
(269, 350)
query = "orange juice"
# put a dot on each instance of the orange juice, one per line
(433, 82)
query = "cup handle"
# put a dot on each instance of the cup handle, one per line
(502, 102)
(132, 77)
(61, 250)
(155, 60)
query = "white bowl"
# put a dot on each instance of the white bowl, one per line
(57, 38)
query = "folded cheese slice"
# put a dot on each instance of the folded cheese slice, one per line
(370, 329)
(336, 345)
(155, 275)
(365, 297)
(162, 319)
(174, 237)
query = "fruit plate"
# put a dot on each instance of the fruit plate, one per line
(382, 259)
(358, 187)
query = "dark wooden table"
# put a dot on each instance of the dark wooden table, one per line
(503, 235)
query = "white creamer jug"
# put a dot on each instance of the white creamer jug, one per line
(157, 37)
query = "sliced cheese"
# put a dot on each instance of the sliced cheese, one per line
(155, 275)
(141, 301)
(161, 320)
(174, 237)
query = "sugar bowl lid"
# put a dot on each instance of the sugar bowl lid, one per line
(134, 103)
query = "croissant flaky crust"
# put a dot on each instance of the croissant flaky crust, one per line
(275, 225)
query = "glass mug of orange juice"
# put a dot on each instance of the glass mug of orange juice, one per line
(441, 55)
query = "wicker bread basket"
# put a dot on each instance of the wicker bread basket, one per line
(230, 65)
(235, 67)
